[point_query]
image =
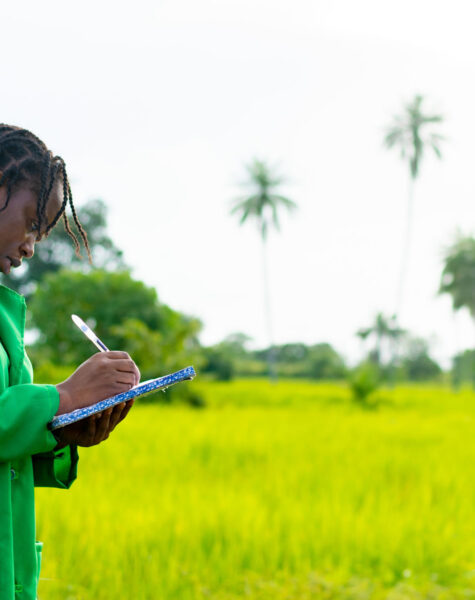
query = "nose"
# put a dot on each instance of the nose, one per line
(27, 249)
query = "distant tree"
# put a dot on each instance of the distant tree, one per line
(458, 280)
(219, 363)
(320, 361)
(416, 363)
(57, 251)
(383, 330)
(289, 353)
(325, 362)
(125, 314)
(263, 205)
(409, 133)
(236, 344)
(458, 275)
(463, 368)
(220, 359)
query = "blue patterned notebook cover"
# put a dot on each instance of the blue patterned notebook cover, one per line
(161, 383)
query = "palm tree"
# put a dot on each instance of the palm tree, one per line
(262, 206)
(383, 328)
(458, 277)
(408, 132)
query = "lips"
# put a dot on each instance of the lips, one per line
(16, 262)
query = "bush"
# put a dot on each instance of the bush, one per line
(364, 380)
(47, 372)
(463, 370)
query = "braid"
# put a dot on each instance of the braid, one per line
(42, 196)
(24, 158)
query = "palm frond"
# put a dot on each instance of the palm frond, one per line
(245, 203)
(275, 217)
(436, 150)
(406, 133)
(263, 204)
(245, 213)
(289, 204)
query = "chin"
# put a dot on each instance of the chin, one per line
(5, 266)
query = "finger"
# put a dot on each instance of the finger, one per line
(137, 375)
(125, 365)
(91, 430)
(102, 426)
(116, 414)
(126, 378)
(126, 410)
(117, 354)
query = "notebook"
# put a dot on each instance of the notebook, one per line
(146, 387)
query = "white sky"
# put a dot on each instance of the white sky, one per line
(156, 106)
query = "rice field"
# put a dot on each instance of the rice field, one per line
(285, 491)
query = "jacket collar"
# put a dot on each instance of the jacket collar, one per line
(12, 329)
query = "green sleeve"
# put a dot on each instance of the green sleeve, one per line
(25, 411)
(56, 468)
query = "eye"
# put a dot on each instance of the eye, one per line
(35, 226)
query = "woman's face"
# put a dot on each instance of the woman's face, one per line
(19, 224)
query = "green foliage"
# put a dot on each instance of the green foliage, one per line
(458, 276)
(47, 372)
(364, 381)
(263, 204)
(413, 362)
(163, 351)
(463, 370)
(325, 362)
(230, 358)
(408, 132)
(320, 361)
(58, 252)
(221, 358)
(102, 299)
(218, 363)
(417, 364)
(127, 316)
(385, 333)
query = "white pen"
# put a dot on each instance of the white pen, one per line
(89, 333)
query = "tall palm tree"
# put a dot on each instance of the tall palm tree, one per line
(262, 206)
(409, 132)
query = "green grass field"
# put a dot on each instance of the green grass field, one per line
(271, 492)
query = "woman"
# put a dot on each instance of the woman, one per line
(34, 192)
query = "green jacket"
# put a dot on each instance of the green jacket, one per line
(27, 458)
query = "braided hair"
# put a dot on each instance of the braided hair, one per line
(25, 159)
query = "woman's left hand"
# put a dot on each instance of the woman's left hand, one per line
(93, 430)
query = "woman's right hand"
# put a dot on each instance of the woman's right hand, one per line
(101, 376)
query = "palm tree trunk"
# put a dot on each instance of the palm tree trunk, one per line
(268, 315)
(404, 265)
(406, 249)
